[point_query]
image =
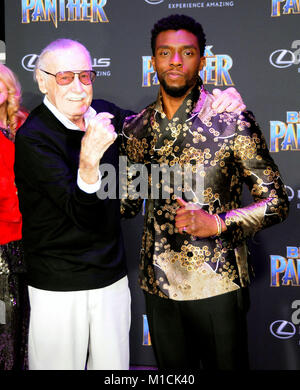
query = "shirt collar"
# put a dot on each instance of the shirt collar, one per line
(91, 113)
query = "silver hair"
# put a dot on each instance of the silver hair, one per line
(58, 44)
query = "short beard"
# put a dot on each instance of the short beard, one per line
(175, 92)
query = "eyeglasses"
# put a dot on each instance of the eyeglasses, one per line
(86, 77)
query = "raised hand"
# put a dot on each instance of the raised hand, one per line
(99, 135)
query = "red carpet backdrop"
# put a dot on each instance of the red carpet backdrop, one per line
(253, 45)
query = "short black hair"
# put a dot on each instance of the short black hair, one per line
(179, 22)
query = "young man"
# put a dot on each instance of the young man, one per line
(194, 258)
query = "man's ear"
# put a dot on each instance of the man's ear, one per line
(41, 80)
(153, 63)
(202, 63)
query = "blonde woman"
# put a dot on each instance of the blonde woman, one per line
(13, 295)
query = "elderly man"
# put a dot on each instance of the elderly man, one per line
(194, 257)
(78, 288)
(79, 296)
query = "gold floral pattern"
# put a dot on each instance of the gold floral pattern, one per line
(232, 151)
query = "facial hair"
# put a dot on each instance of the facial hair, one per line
(178, 92)
(175, 92)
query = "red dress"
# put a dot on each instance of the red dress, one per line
(10, 216)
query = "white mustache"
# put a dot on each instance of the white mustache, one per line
(76, 96)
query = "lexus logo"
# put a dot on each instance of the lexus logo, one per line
(282, 329)
(154, 1)
(28, 62)
(282, 58)
(291, 193)
(2, 52)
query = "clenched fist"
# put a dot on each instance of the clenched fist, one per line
(99, 135)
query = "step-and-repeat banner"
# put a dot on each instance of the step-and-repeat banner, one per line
(253, 45)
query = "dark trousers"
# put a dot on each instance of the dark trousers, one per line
(208, 333)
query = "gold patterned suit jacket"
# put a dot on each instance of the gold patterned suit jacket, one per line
(230, 150)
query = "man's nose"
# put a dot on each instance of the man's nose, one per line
(176, 59)
(77, 84)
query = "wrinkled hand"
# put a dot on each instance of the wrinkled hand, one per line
(191, 219)
(228, 100)
(99, 135)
